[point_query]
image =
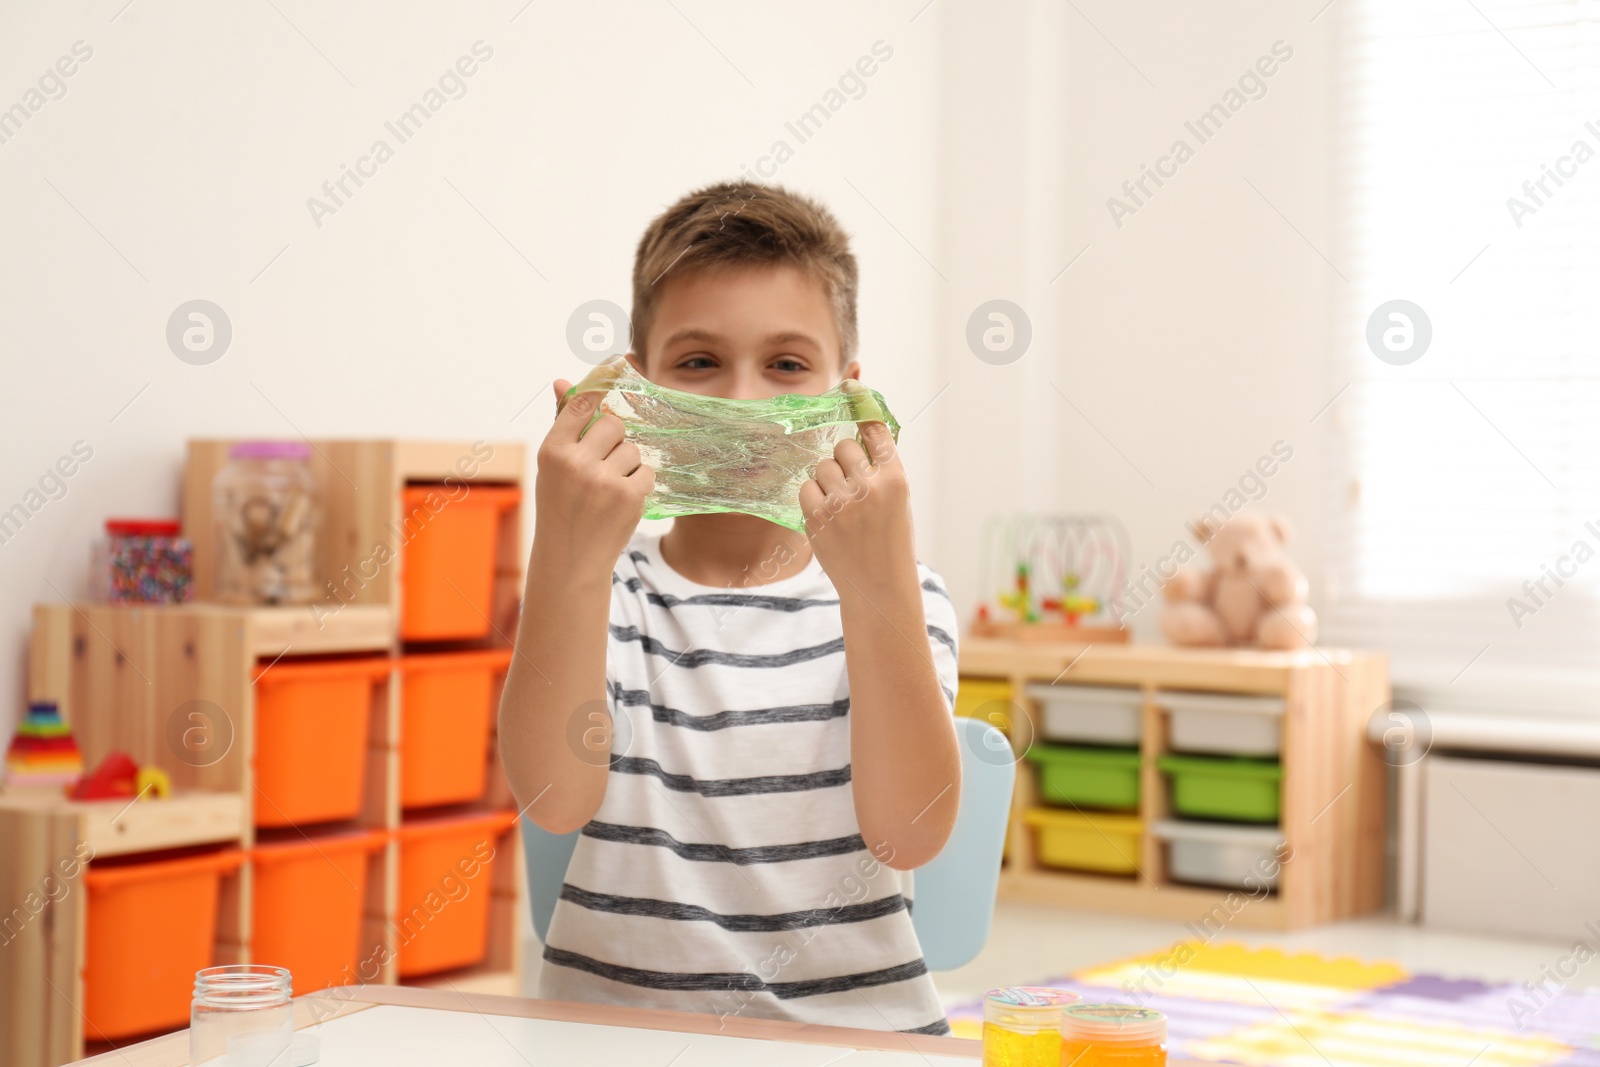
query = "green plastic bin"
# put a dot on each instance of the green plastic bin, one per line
(1237, 789)
(1105, 778)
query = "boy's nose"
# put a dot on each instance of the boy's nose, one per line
(747, 384)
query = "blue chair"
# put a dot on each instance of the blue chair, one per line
(954, 892)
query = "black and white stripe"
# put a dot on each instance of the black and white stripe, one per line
(731, 787)
(712, 853)
(745, 924)
(722, 720)
(725, 871)
(743, 981)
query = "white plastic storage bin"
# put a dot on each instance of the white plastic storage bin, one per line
(1098, 715)
(1509, 847)
(1220, 854)
(1234, 724)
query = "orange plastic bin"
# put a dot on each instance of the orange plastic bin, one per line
(447, 701)
(311, 738)
(446, 882)
(308, 901)
(448, 566)
(150, 926)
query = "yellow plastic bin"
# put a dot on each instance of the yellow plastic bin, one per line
(990, 700)
(1086, 841)
(973, 693)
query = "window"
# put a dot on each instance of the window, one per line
(1466, 509)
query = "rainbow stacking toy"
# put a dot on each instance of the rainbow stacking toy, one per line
(43, 755)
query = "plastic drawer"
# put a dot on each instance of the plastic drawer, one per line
(1231, 857)
(151, 924)
(973, 693)
(1082, 841)
(1098, 715)
(446, 886)
(307, 905)
(447, 705)
(1088, 777)
(1236, 724)
(447, 571)
(312, 721)
(1212, 787)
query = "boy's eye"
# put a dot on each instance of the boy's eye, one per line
(788, 365)
(696, 362)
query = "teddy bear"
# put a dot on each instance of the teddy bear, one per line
(1252, 595)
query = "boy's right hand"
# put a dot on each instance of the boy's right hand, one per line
(590, 488)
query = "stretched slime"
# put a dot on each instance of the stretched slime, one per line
(712, 454)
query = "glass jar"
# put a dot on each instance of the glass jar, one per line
(265, 504)
(141, 561)
(241, 1016)
(1022, 1026)
(1113, 1035)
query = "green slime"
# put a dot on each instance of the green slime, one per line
(713, 455)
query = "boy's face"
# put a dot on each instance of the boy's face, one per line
(744, 333)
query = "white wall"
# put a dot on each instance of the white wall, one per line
(976, 166)
(192, 138)
(1188, 340)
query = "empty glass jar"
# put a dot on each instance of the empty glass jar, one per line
(241, 1016)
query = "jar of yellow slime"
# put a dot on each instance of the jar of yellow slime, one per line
(1112, 1035)
(1022, 1026)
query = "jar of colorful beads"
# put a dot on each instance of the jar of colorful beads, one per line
(141, 561)
(1113, 1035)
(266, 509)
(1022, 1026)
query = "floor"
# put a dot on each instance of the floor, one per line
(1032, 942)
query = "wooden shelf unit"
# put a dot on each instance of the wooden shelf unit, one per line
(47, 843)
(362, 484)
(121, 673)
(1334, 787)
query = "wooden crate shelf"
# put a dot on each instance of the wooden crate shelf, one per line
(47, 843)
(120, 675)
(362, 484)
(1334, 789)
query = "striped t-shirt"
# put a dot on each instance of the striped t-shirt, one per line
(725, 872)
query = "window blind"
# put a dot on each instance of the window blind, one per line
(1465, 503)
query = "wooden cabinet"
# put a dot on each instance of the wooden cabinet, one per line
(1334, 784)
(179, 686)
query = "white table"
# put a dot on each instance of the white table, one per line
(399, 1026)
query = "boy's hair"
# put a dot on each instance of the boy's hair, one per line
(742, 224)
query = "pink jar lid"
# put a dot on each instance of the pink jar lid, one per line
(270, 450)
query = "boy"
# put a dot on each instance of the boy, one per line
(788, 748)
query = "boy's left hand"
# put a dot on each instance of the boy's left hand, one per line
(858, 515)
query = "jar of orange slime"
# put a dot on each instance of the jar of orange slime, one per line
(1022, 1026)
(1113, 1035)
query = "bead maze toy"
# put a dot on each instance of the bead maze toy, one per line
(1059, 578)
